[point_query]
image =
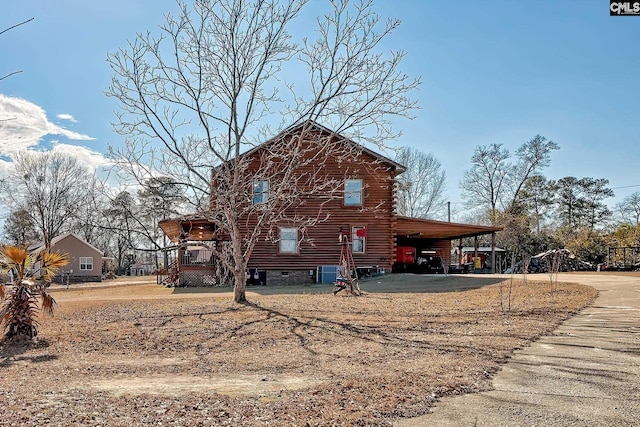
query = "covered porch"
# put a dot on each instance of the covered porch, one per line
(190, 260)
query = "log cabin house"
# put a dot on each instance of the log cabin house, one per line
(361, 206)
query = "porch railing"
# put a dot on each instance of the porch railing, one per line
(197, 257)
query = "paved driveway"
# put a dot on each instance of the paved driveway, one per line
(586, 374)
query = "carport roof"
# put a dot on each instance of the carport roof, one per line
(431, 229)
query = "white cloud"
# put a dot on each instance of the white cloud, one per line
(89, 158)
(67, 117)
(23, 124)
(5, 168)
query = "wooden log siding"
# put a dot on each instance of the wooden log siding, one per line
(319, 244)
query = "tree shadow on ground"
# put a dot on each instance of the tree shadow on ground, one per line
(12, 350)
(304, 328)
(390, 283)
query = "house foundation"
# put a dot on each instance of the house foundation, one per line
(290, 277)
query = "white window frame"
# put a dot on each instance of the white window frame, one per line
(284, 245)
(260, 191)
(360, 241)
(353, 197)
(85, 261)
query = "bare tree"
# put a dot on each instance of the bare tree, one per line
(88, 223)
(495, 182)
(51, 187)
(629, 208)
(533, 155)
(200, 95)
(553, 262)
(421, 187)
(488, 177)
(119, 223)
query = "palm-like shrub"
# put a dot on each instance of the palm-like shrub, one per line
(33, 274)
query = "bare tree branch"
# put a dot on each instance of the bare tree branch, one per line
(195, 100)
(4, 31)
(495, 182)
(51, 187)
(17, 25)
(10, 74)
(421, 187)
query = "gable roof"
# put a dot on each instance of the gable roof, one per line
(41, 246)
(291, 130)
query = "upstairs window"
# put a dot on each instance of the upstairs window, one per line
(353, 192)
(260, 192)
(86, 263)
(288, 240)
(358, 239)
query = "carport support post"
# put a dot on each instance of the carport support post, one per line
(493, 252)
(475, 252)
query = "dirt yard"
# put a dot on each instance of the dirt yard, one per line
(150, 356)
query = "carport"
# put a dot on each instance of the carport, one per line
(433, 238)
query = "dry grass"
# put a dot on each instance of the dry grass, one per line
(140, 355)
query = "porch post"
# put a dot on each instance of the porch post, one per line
(182, 240)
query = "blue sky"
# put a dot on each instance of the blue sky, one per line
(492, 72)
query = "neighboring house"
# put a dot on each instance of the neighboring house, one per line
(364, 211)
(85, 260)
(142, 269)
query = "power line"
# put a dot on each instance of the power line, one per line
(626, 186)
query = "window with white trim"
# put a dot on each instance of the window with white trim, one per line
(86, 263)
(358, 239)
(260, 192)
(353, 192)
(288, 240)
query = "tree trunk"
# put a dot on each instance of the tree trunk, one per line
(239, 286)
(239, 267)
